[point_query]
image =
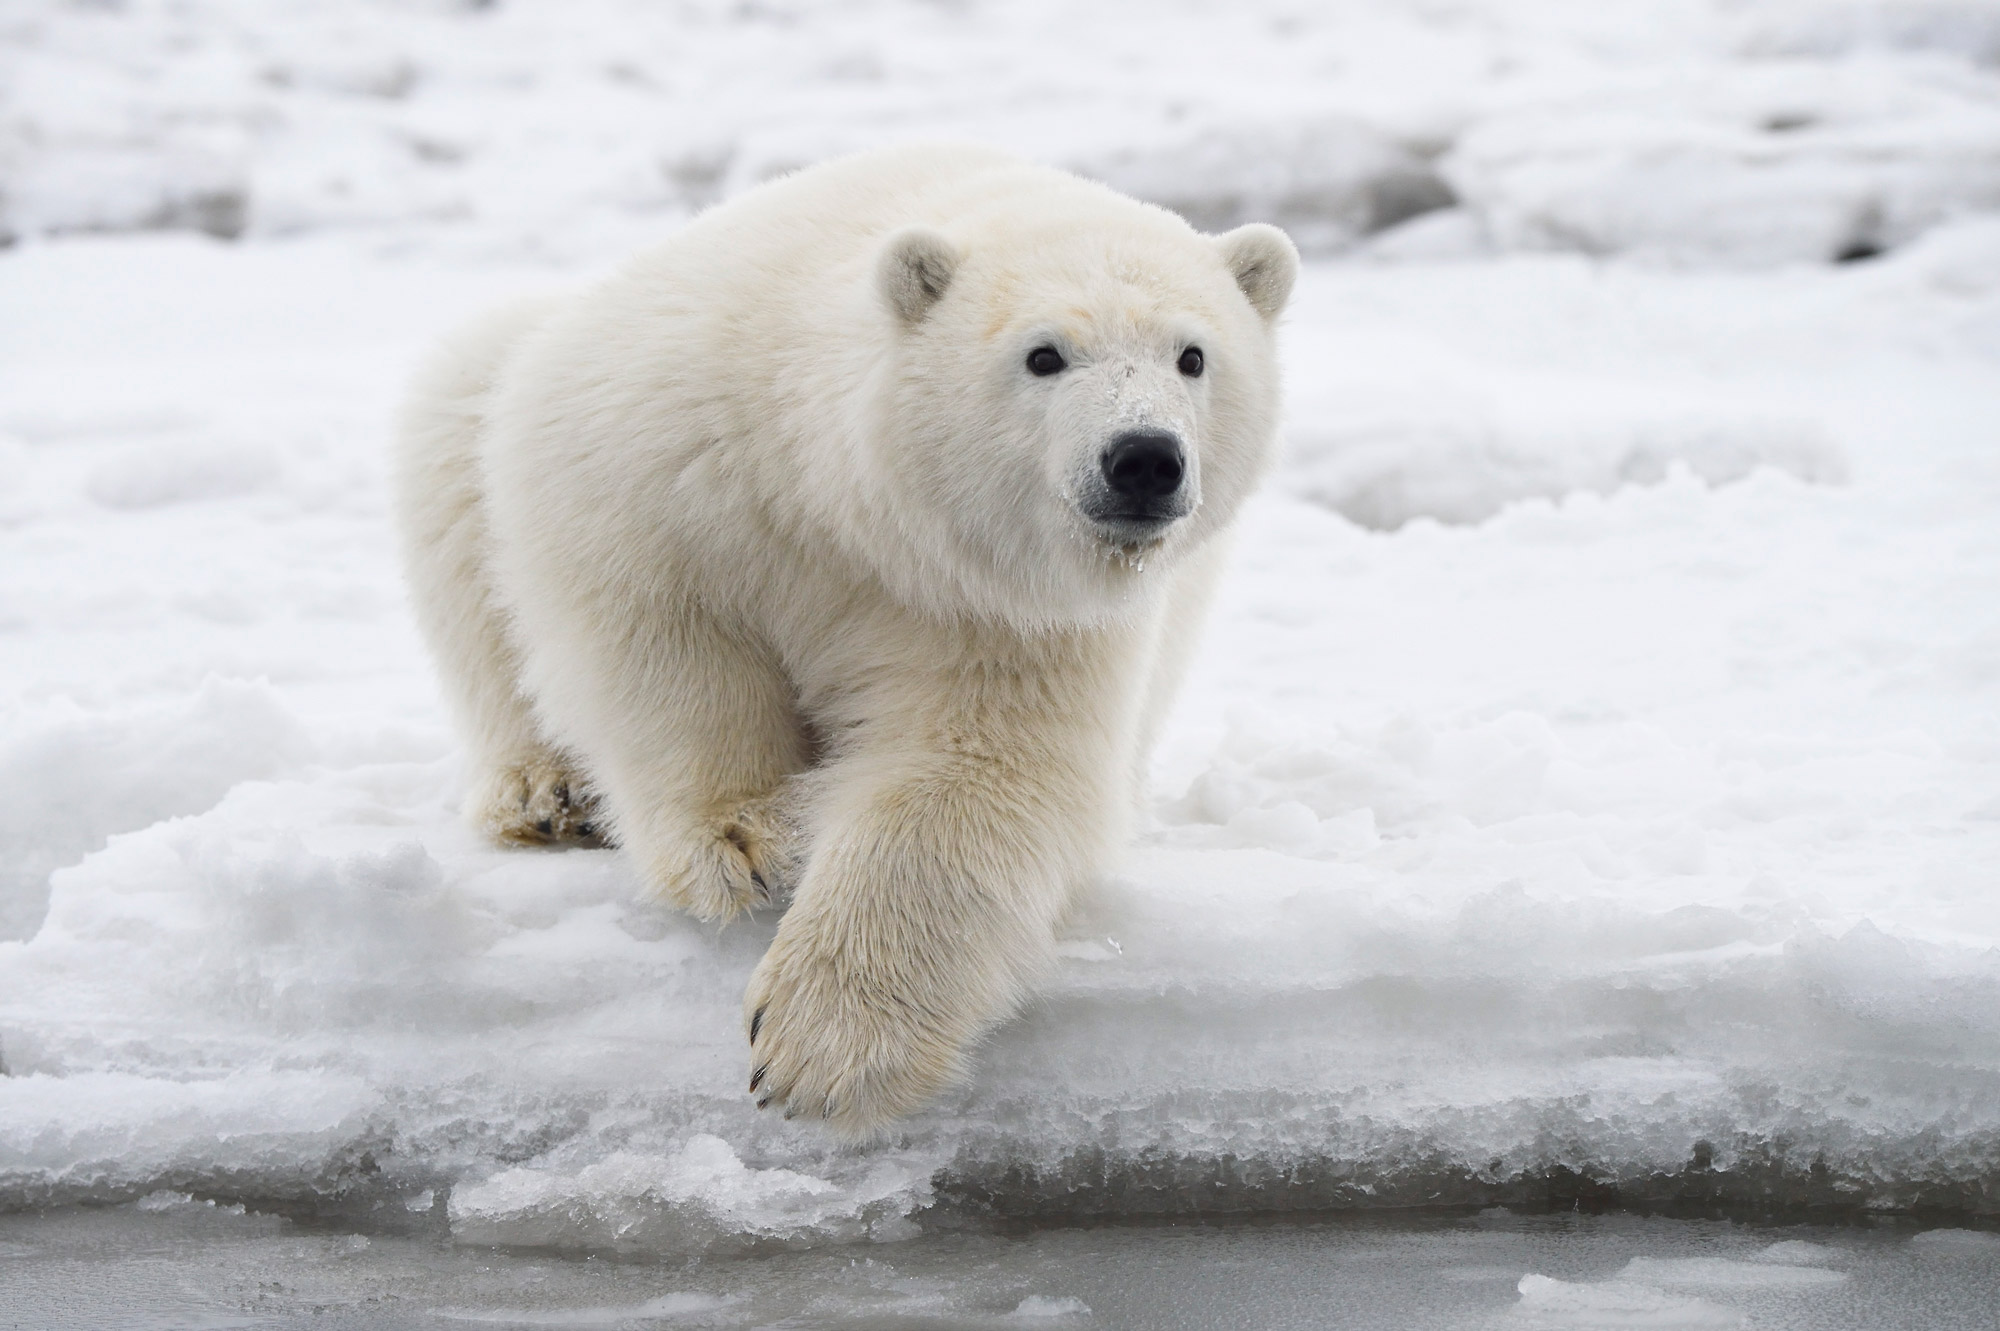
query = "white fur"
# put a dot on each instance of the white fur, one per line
(771, 547)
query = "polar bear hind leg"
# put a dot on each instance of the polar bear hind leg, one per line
(523, 790)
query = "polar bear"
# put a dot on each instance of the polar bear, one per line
(847, 546)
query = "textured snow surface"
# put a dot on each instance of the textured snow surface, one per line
(1591, 779)
(1746, 132)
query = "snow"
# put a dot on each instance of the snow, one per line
(1549, 1302)
(1752, 164)
(1589, 787)
(667, 1307)
(1662, 1291)
(1042, 1306)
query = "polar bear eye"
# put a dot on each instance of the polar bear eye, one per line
(1191, 362)
(1046, 361)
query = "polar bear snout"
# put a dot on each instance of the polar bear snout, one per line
(1144, 468)
(1145, 475)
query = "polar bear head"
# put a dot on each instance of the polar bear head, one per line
(1080, 390)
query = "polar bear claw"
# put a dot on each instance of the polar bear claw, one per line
(542, 801)
(737, 861)
(853, 1054)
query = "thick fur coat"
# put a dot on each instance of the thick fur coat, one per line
(846, 546)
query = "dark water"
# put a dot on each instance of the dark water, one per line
(202, 1266)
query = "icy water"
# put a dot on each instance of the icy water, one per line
(192, 1265)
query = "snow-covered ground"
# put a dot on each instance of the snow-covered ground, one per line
(1591, 782)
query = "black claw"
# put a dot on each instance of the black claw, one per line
(762, 887)
(791, 1112)
(561, 791)
(757, 1078)
(545, 827)
(756, 1024)
(763, 1102)
(826, 1110)
(586, 829)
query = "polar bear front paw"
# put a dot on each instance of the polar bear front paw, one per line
(738, 861)
(540, 802)
(829, 1041)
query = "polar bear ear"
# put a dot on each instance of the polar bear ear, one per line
(915, 268)
(1265, 263)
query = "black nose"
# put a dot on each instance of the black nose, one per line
(1144, 465)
